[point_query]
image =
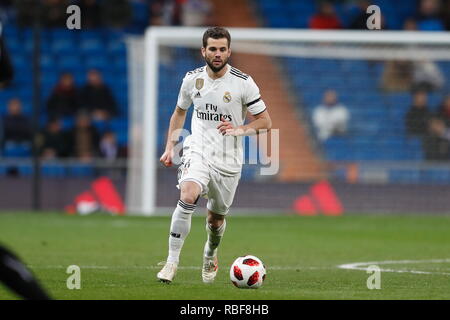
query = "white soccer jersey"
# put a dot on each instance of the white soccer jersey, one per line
(230, 97)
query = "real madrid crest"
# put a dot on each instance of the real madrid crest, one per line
(227, 97)
(199, 83)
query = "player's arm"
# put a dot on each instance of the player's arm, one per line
(261, 121)
(253, 102)
(176, 123)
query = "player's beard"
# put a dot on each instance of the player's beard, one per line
(214, 68)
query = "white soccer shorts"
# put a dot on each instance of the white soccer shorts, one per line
(219, 189)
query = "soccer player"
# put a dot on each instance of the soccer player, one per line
(212, 155)
(13, 273)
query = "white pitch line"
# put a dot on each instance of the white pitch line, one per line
(363, 266)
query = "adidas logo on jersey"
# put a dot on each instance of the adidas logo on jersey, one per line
(198, 95)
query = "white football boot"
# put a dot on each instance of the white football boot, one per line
(168, 272)
(209, 270)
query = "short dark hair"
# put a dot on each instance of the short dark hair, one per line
(216, 33)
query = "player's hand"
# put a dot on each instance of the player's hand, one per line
(226, 128)
(166, 158)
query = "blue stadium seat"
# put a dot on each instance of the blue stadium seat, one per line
(119, 64)
(47, 63)
(118, 124)
(81, 170)
(10, 31)
(25, 169)
(116, 47)
(67, 123)
(96, 62)
(56, 34)
(430, 25)
(122, 137)
(16, 150)
(63, 46)
(69, 63)
(96, 35)
(54, 170)
(404, 176)
(92, 47)
(101, 126)
(435, 176)
(13, 44)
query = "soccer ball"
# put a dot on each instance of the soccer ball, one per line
(247, 272)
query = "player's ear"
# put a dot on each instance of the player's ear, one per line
(203, 51)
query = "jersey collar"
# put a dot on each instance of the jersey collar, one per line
(225, 75)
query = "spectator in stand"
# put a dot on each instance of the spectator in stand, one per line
(96, 97)
(417, 117)
(429, 17)
(427, 76)
(331, 117)
(361, 16)
(90, 14)
(404, 75)
(54, 13)
(54, 143)
(436, 145)
(16, 126)
(326, 18)
(446, 14)
(196, 13)
(444, 111)
(410, 25)
(156, 15)
(64, 99)
(109, 148)
(83, 138)
(115, 13)
(397, 76)
(166, 12)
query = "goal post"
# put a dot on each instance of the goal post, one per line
(145, 56)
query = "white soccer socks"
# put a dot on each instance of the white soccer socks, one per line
(214, 237)
(179, 229)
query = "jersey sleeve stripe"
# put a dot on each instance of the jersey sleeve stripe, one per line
(253, 102)
(238, 75)
(239, 71)
(259, 112)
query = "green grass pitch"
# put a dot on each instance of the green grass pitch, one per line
(118, 256)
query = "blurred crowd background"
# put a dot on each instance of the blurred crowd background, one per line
(392, 111)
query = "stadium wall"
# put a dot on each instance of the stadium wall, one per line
(251, 198)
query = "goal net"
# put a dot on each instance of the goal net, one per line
(364, 152)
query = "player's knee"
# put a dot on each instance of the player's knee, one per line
(189, 193)
(188, 197)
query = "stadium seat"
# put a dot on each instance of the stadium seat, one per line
(63, 46)
(101, 126)
(69, 62)
(92, 47)
(67, 122)
(96, 62)
(53, 170)
(81, 170)
(16, 150)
